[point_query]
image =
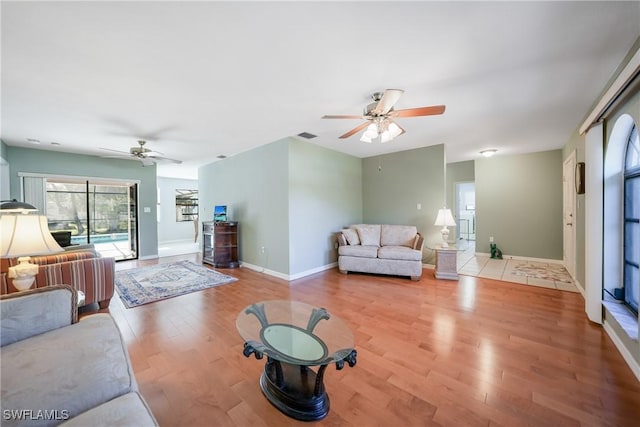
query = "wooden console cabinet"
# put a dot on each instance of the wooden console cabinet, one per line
(220, 244)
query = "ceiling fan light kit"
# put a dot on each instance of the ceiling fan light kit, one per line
(379, 115)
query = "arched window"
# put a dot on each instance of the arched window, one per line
(631, 273)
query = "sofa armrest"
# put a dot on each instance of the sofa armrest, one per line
(36, 311)
(418, 243)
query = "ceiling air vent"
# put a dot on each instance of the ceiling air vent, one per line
(221, 156)
(307, 135)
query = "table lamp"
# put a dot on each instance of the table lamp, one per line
(445, 219)
(23, 234)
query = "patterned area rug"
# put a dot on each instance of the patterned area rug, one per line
(148, 284)
(550, 272)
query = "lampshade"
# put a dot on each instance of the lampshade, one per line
(445, 218)
(385, 136)
(23, 235)
(394, 130)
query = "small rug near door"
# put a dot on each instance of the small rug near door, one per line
(148, 284)
(547, 272)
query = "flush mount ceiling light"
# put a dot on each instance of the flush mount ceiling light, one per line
(489, 153)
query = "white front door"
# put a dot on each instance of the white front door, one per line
(568, 213)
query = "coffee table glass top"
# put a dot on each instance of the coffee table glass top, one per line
(294, 332)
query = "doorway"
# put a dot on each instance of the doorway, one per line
(466, 210)
(568, 214)
(102, 213)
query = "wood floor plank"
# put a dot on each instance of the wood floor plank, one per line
(473, 352)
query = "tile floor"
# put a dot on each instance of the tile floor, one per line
(547, 275)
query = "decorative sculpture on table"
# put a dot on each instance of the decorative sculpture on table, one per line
(495, 252)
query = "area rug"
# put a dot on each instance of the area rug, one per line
(551, 272)
(148, 284)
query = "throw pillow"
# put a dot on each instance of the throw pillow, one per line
(369, 235)
(351, 235)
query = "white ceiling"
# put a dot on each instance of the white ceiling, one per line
(200, 79)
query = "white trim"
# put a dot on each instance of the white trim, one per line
(313, 271)
(593, 207)
(524, 258)
(627, 74)
(142, 258)
(569, 197)
(288, 277)
(580, 287)
(626, 355)
(80, 177)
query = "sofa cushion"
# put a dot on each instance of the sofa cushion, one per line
(399, 252)
(359, 251)
(398, 235)
(351, 235)
(369, 234)
(74, 368)
(127, 410)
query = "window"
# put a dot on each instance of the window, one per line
(186, 205)
(631, 269)
(103, 213)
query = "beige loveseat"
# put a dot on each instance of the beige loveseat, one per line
(381, 249)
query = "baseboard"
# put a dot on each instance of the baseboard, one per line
(146, 257)
(288, 277)
(580, 287)
(173, 242)
(628, 357)
(524, 258)
(313, 271)
(430, 266)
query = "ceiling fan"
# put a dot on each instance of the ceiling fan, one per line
(380, 115)
(143, 154)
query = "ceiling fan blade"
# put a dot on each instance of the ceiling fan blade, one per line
(163, 159)
(354, 130)
(115, 151)
(330, 116)
(420, 111)
(388, 100)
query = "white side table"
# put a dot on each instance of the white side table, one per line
(446, 263)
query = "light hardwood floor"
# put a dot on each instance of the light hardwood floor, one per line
(473, 352)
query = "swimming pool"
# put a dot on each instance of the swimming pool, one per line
(101, 238)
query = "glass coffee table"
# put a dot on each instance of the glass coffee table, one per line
(295, 336)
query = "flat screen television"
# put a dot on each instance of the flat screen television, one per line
(220, 214)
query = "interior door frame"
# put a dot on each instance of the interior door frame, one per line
(569, 202)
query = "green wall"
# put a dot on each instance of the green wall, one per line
(519, 203)
(394, 184)
(27, 160)
(289, 197)
(253, 185)
(325, 191)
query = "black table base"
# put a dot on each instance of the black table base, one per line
(294, 394)
(297, 390)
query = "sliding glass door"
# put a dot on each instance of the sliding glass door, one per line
(103, 213)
